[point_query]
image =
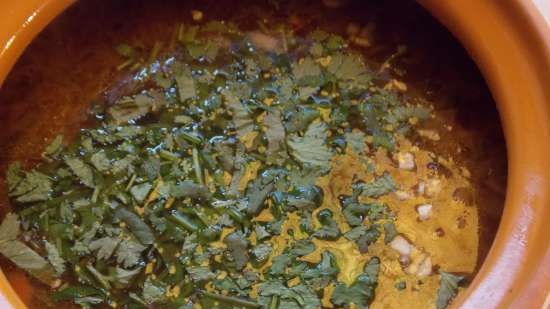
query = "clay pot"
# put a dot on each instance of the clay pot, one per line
(510, 42)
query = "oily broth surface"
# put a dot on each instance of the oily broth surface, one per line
(73, 62)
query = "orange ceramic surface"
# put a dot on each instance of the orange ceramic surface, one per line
(511, 44)
(20, 22)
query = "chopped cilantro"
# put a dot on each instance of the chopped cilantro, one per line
(311, 149)
(448, 287)
(361, 292)
(380, 186)
(206, 185)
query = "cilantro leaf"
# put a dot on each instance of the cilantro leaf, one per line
(329, 229)
(350, 71)
(124, 164)
(275, 134)
(9, 229)
(238, 247)
(217, 301)
(208, 49)
(34, 187)
(55, 258)
(326, 268)
(123, 276)
(361, 292)
(129, 253)
(357, 141)
(153, 292)
(305, 198)
(308, 299)
(190, 189)
(81, 170)
(241, 118)
(279, 264)
(104, 246)
(13, 175)
(200, 274)
(380, 186)
(100, 161)
(305, 69)
(369, 237)
(55, 146)
(297, 297)
(355, 213)
(141, 191)
(311, 149)
(448, 288)
(20, 254)
(77, 292)
(260, 254)
(258, 191)
(133, 108)
(185, 82)
(138, 227)
(299, 118)
(389, 232)
(302, 247)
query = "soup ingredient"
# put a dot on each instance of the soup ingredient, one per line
(248, 170)
(448, 286)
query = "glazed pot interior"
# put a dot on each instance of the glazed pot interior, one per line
(73, 60)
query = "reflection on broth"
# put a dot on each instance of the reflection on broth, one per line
(290, 156)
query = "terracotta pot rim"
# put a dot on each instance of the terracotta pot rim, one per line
(510, 42)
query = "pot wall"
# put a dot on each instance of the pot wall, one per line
(510, 43)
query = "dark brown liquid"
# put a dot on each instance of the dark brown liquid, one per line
(73, 62)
